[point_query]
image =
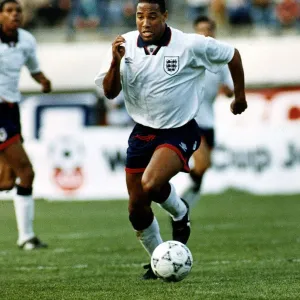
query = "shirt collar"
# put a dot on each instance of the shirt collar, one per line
(163, 41)
(10, 40)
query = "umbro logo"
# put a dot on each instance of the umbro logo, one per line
(128, 60)
(183, 146)
(195, 146)
(3, 135)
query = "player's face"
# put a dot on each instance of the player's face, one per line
(11, 16)
(205, 29)
(150, 21)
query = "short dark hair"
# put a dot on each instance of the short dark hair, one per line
(205, 19)
(3, 2)
(161, 3)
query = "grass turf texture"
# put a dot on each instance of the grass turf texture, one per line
(244, 247)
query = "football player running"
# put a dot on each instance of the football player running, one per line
(17, 48)
(161, 71)
(214, 82)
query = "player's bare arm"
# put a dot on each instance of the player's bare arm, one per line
(239, 104)
(112, 81)
(227, 91)
(43, 81)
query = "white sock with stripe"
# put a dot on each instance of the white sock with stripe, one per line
(174, 205)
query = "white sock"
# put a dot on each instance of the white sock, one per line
(190, 196)
(24, 209)
(174, 205)
(150, 237)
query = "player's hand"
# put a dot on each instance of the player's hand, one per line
(118, 51)
(238, 106)
(46, 86)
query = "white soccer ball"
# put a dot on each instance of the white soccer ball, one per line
(171, 261)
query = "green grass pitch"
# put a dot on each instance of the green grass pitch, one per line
(244, 247)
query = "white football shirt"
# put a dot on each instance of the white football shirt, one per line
(213, 82)
(12, 59)
(163, 84)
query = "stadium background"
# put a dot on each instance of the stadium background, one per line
(77, 142)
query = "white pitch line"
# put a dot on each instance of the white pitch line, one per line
(80, 267)
(50, 268)
(247, 261)
(62, 250)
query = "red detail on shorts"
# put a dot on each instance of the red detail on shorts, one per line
(134, 171)
(178, 152)
(10, 141)
(146, 138)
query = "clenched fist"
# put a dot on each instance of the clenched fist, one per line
(238, 106)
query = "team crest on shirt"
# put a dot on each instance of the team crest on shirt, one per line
(3, 135)
(171, 64)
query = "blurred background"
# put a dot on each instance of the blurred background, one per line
(81, 20)
(77, 139)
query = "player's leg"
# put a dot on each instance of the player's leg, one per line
(149, 167)
(140, 213)
(7, 175)
(142, 218)
(165, 164)
(153, 184)
(202, 161)
(142, 143)
(18, 160)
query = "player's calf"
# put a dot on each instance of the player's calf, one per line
(197, 180)
(192, 192)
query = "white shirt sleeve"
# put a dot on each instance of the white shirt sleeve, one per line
(226, 78)
(211, 54)
(105, 65)
(32, 62)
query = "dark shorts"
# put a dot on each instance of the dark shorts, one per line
(10, 126)
(209, 135)
(143, 141)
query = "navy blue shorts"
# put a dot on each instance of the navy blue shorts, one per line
(209, 135)
(10, 126)
(143, 141)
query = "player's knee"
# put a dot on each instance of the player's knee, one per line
(140, 218)
(150, 186)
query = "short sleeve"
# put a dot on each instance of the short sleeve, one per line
(211, 54)
(105, 65)
(32, 62)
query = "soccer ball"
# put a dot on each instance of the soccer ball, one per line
(171, 261)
